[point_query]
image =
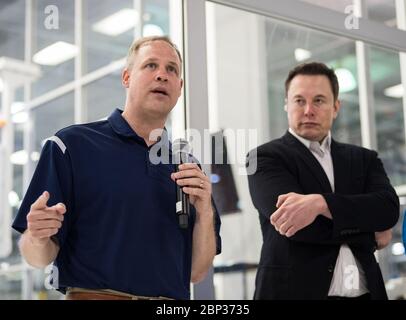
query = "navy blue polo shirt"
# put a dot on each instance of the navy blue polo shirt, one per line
(121, 229)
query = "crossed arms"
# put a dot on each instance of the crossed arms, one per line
(323, 218)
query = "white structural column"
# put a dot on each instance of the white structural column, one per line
(196, 65)
(401, 22)
(365, 90)
(80, 62)
(27, 277)
(14, 73)
(196, 92)
(139, 7)
(177, 115)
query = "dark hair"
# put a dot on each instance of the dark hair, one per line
(314, 68)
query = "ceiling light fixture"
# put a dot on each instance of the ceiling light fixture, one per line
(55, 54)
(17, 106)
(398, 249)
(13, 198)
(152, 30)
(20, 117)
(302, 54)
(117, 23)
(35, 155)
(394, 91)
(19, 157)
(346, 80)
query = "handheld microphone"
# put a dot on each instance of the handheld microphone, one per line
(182, 199)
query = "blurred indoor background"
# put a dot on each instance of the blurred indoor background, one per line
(237, 56)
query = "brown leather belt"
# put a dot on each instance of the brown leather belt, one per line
(105, 294)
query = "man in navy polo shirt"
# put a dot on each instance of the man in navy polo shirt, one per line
(104, 213)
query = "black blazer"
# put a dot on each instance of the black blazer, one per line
(301, 267)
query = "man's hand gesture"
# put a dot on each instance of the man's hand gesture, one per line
(296, 211)
(43, 221)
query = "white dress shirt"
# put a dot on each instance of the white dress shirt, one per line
(348, 278)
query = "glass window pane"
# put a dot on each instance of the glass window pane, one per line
(383, 11)
(12, 28)
(390, 127)
(108, 31)
(54, 48)
(10, 283)
(331, 4)
(156, 17)
(51, 117)
(17, 169)
(103, 96)
(287, 46)
(246, 76)
(16, 194)
(106, 40)
(12, 45)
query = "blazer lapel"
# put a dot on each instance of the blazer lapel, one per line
(342, 166)
(308, 158)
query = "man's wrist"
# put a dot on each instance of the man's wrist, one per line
(205, 216)
(323, 208)
(37, 242)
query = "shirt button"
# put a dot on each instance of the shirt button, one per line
(330, 269)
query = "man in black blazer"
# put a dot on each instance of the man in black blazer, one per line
(324, 206)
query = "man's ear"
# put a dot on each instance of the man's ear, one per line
(337, 106)
(125, 78)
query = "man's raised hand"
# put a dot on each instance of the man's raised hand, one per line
(43, 221)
